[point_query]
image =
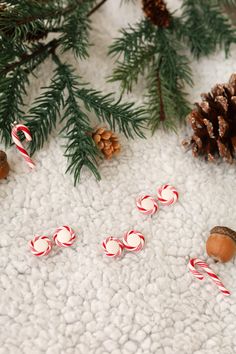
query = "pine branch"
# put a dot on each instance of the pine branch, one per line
(41, 50)
(136, 51)
(75, 31)
(131, 39)
(42, 116)
(18, 59)
(13, 89)
(124, 116)
(81, 149)
(16, 23)
(173, 65)
(129, 72)
(147, 49)
(208, 19)
(163, 102)
(162, 115)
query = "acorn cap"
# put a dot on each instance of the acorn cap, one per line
(223, 230)
(3, 156)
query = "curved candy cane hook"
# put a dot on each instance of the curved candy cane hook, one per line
(14, 133)
(192, 267)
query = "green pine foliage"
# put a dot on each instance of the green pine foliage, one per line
(205, 28)
(24, 46)
(11, 101)
(160, 56)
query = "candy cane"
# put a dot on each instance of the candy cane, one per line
(14, 133)
(195, 261)
(64, 236)
(167, 194)
(146, 204)
(133, 241)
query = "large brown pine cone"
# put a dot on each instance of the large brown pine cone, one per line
(214, 123)
(157, 12)
(107, 142)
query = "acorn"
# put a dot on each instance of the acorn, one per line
(221, 244)
(4, 167)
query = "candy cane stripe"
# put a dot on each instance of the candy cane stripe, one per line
(105, 246)
(140, 205)
(37, 253)
(197, 262)
(167, 194)
(137, 247)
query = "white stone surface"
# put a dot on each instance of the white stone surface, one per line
(78, 301)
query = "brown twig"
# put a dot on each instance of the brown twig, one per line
(96, 7)
(50, 47)
(159, 89)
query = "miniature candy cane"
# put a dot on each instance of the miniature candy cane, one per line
(40, 246)
(14, 133)
(192, 267)
(146, 205)
(112, 246)
(167, 194)
(64, 236)
(133, 241)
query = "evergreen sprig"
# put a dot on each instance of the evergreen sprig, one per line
(121, 116)
(76, 31)
(81, 149)
(43, 115)
(205, 27)
(11, 102)
(20, 19)
(157, 54)
(23, 26)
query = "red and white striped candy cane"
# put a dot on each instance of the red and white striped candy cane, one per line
(40, 246)
(133, 241)
(198, 262)
(14, 133)
(64, 236)
(167, 194)
(146, 204)
(113, 247)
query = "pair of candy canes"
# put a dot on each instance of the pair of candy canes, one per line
(132, 241)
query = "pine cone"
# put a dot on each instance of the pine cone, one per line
(107, 142)
(157, 12)
(4, 167)
(214, 123)
(37, 35)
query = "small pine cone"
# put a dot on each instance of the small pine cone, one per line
(157, 12)
(214, 123)
(36, 36)
(107, 142)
